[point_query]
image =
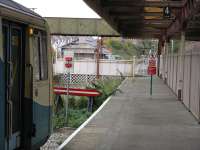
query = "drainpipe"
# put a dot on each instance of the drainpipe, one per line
(181, 66)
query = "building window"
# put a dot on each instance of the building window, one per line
(40, 56)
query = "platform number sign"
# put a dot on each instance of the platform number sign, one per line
(167, 12)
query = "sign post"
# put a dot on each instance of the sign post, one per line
(151, 71)
(151, 84)
(68, 65)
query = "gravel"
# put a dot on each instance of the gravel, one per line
(57, 138)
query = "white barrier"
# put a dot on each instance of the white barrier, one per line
(106, 67)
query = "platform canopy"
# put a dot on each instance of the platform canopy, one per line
(145, 18)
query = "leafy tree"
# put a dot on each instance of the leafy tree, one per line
(127, 48)
(121, 47)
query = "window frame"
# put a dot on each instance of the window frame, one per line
(42, 55)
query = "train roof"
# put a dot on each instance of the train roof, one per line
(18, 7)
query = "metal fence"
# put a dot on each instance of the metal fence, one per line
(81, 80)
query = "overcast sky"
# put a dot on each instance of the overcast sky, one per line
(60, 8)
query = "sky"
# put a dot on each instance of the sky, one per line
(60, 8)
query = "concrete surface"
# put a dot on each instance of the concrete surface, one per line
(133, 120)
(80, 26)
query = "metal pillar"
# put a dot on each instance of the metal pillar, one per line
(158, 65)
(90, 104)
(151, 85)
(99, 42)
(67, 98)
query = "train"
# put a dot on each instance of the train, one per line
(25, 78)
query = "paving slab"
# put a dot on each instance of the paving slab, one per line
(134, 120)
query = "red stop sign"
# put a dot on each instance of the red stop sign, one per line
(151, 70)
(152, 66)
(68, 65)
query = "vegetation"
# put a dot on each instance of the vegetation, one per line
(106, 88)
(127, 48)
(77, 112)
(77, 117)
(124, 48)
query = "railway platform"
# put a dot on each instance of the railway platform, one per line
(134, 120)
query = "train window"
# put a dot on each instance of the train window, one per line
(43, 58)
(36, 57)
(40, 56)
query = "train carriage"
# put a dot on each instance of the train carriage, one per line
(25, 78)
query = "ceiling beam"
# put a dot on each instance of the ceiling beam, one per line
(133, 14)
(131, 3)
(145, 21)
(152, 26)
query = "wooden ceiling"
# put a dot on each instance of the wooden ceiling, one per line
(138, 18)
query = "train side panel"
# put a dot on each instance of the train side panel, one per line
(41, 89)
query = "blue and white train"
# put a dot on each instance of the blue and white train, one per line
(25, 78)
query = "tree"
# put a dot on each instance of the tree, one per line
(127, 48)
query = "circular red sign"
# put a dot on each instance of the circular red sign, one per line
(68, 65)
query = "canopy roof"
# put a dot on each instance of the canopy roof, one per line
(143, 18)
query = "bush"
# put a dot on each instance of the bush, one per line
(59, 119)
(107, 88)
(77, 116)
(78, 102)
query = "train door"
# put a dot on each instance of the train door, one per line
(13, 45)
